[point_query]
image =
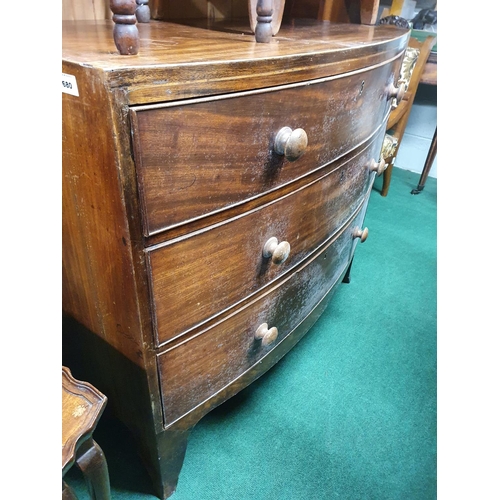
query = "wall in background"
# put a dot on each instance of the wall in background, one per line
(73, 10)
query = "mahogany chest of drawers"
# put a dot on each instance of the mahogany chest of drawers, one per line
(214, 191)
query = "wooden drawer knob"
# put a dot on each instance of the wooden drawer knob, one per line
(377, 167)
(291, 143)
(278, 252)
(397, 92)
(362, 234)
(268, 335)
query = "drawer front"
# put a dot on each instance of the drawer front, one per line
(220, 266)
(196, 369)
(197, 157)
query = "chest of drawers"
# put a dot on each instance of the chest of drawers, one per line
(214, 191)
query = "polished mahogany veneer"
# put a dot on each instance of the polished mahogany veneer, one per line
(228, 257)
(176, 154)
(214, 192)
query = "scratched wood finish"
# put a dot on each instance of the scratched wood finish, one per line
(228, 143)
(228, 259)
(189, 376)
(229, 59)
(106, 278)
(172, 442)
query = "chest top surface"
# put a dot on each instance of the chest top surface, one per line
(182, 61)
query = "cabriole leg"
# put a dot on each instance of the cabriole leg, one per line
(92, 462)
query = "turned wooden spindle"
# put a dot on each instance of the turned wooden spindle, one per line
(125, 32)
(263, 30)
(142, 12)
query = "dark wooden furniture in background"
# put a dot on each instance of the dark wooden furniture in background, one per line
(214, 192)
(429, 75)
(337, 11)
(264, 16)
(82, 407)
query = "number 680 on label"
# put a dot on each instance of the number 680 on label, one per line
(69, 85)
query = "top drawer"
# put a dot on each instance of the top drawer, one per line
(200, 156)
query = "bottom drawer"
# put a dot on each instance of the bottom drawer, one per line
(196, 369)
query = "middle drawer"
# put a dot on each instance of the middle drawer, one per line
(222, 265)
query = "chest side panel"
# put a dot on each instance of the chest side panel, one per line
(99, 275)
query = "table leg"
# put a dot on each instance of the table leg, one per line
(428, 164)
(67, 492)
(92, 462)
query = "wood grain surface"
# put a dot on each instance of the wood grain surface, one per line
(98, 265)
(229, 59)
(227, 258)
(189, 376)
(227, 143)
(82, 406)
(167, 286)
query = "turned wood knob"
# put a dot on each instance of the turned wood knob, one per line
(377, 167)
(362, 234)
(268, 335)
(396, 92)
(278, 252)
(291, 143)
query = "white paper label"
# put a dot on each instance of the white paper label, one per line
(69, 85)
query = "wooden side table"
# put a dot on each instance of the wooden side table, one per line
(82, 407)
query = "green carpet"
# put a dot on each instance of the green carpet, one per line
(350, 412)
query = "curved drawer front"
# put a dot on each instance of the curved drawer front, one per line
(200, 275)
(196, 369)
(197, 157)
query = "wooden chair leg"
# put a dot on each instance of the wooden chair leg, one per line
(92, 462)
(387, 177)
(428, 165)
